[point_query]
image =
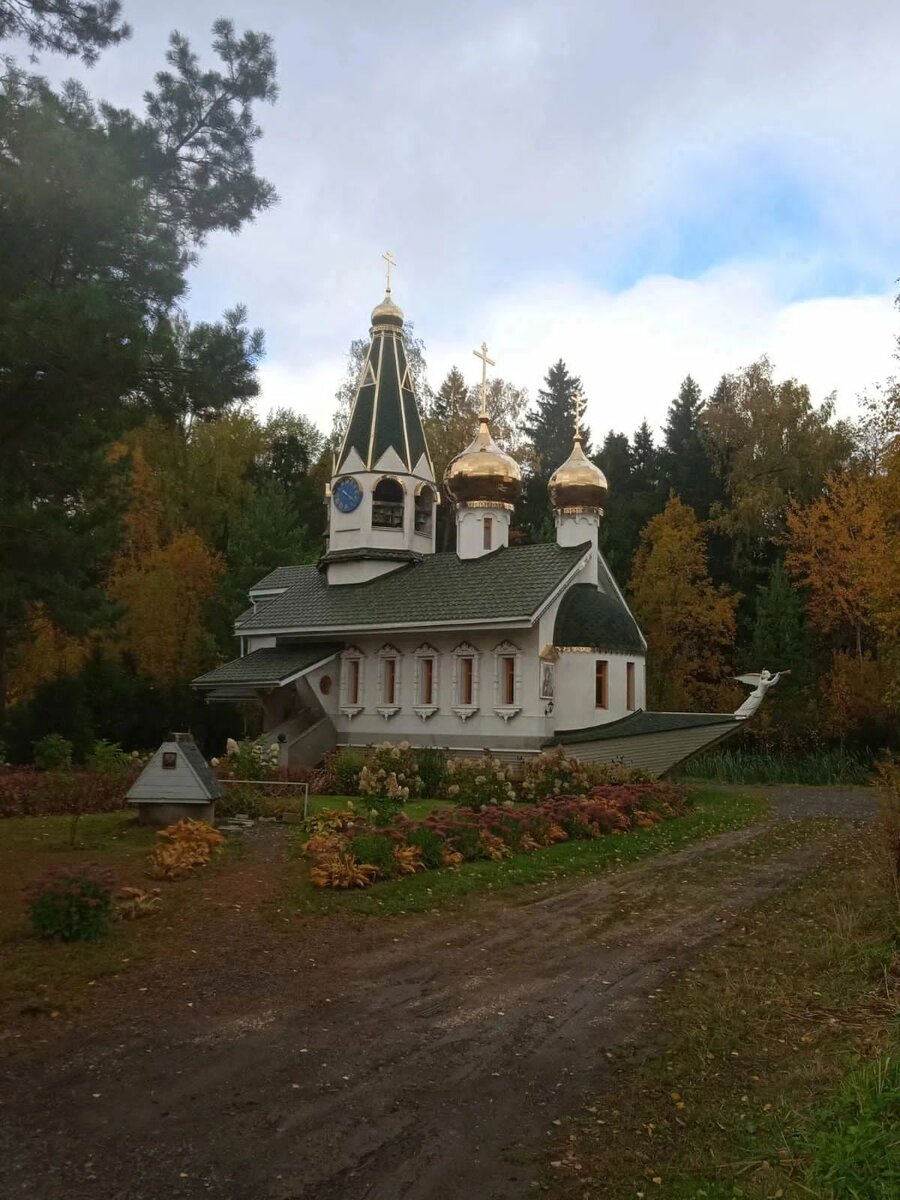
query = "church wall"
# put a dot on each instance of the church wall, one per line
(576, 706)
(444, 727)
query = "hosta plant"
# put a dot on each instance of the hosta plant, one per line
(341, 870)
(71, 904)
(132, 903)
(185, 846)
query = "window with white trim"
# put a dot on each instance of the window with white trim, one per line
(388, 680)
(352, 681)
(507, 680)
(426, 689)
(465, 680)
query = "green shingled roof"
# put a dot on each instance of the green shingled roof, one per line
(511, 583)
(268, 667)
(589, 617)
(637, 724)
(385, 414)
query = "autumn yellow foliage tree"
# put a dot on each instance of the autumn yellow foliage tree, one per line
(164, 586)
(689, 624)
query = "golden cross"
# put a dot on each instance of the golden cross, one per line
(391, 262)
(485, 361)
(578, 399)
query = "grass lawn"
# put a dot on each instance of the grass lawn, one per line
(774, 1062)
(415, 809)
(713, 812)
(44, 976)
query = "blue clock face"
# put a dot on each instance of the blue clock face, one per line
(347, 494)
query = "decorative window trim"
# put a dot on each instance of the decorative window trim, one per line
(422, 709)
(466, 651)
(349, 707)
(503, 709)
(389, 707)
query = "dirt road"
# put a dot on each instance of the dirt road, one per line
(423, 1058)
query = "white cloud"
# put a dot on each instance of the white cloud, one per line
(633, 348)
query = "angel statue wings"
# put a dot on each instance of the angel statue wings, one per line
(760, 683)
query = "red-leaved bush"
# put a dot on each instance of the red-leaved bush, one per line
(27, 792)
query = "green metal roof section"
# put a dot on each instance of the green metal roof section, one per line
(268, 667)
(512, 582)
(590, 618)
(639, 724)
(385, 414)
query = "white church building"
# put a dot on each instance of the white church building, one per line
(491, 646)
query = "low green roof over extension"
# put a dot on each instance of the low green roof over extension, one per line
(637, 724)
(588, 617)
(269, 667)
(510, 584)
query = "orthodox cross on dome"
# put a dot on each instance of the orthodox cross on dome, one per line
(391, 262)
(485, 362)
(578, 401)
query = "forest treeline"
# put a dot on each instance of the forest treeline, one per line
(141, 493)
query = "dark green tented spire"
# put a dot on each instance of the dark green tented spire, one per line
(385, 414)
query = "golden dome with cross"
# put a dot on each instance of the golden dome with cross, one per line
(578, 485)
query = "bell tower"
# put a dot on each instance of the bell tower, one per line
(382, 495)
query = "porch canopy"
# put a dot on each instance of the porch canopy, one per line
(264, 670)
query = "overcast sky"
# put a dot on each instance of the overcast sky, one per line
(644, 189)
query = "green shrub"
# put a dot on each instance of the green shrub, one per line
(432, 770)
(430, 842)
(108, 758)
(382, 810)
(374, 850)
(555, 773)
(854, 1149)
(345, 770)
(770, 767)
(467, 840)
(475, 782)
(52, 752)
(71, 904)
(250, 759)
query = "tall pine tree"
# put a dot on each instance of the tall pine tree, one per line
(549, 430)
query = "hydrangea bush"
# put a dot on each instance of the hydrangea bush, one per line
(475, 782)
(555, 773)
(391, 772)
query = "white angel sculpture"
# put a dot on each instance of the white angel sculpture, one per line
(760, 683)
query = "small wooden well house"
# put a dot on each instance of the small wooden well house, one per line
(176, 783)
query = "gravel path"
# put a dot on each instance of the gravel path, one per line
(424, 1058)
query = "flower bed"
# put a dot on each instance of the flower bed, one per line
(346, 851)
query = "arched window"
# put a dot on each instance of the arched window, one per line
(424, 509)
(387, 504)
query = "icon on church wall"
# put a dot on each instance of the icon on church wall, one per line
(347, 494)
(548, 680)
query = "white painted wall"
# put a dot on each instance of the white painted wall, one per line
(470, 530)
(575, 689)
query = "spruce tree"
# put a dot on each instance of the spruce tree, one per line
(780, 640)
(549, 430)
(686, 458)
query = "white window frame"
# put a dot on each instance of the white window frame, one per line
(501, 708)
(389, 653)
(466, 650)
(422, 709)
(352, 654)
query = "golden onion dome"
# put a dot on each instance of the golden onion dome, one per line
(578, 484)
(483, 475)
(387, 313)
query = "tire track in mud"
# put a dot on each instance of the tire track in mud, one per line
(425, 1067)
